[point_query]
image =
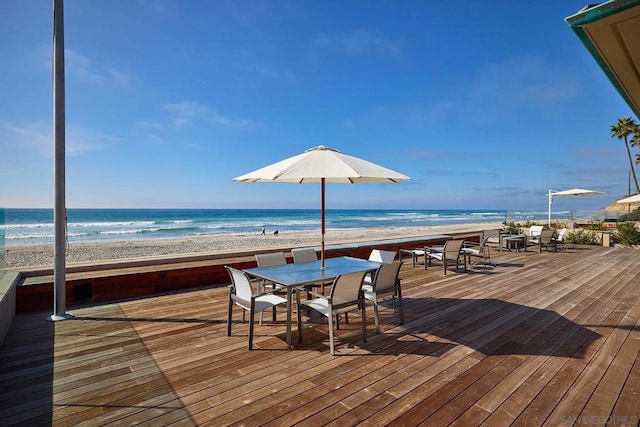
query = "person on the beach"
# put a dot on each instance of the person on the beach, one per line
(263, 230)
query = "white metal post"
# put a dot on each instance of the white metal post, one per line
(59, 209)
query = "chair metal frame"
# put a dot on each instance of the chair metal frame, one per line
(448, 254)
(346, 295)
(386, 281)
(241, 294)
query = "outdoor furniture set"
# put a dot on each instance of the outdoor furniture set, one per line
(453, 252)
(352, 281)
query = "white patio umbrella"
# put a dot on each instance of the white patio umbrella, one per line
(322, 164)
(569, 193)
(630, 199)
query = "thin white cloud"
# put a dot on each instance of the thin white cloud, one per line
(186, 112)
(37, 138)
(80, 67)
(359, 41)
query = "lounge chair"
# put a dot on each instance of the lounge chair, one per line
(547, 239)
(492, 238)
(414, 253)
(385, 281)
(534, 234)
(241, 294)
(560, 238)
(449, 254)
(479, 250)
(346, 295)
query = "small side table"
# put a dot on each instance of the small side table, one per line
(517, 242)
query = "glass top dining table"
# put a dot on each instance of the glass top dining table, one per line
(305, 273)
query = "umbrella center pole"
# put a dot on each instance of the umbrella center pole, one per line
(322, 181)
(322, 226)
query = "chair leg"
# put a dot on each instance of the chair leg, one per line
(251, 319)
(400, 307)
(364, 321)
(299, 310)
(330, 319)
(375, 313)
(229, 317)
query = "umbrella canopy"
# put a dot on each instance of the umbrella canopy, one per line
(322, 164)
(569, 193)
(630, 199)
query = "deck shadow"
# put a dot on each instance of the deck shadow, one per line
(493, 326)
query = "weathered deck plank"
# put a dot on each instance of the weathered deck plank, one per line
(542, 338)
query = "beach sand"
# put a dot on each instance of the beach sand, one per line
(29, 256)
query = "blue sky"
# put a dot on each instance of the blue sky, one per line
(485, 106)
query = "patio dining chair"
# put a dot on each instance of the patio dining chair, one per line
(269, 260)
(385, 282)
(346, 295)
(241, 294)
(304, 255)
(449, 254)
(379, 255)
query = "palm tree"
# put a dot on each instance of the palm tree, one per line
(626, 126)
(635, 142)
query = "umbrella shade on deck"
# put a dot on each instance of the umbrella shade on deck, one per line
(569, 193)
(321, 165)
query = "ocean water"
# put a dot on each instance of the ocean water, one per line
(35, 226)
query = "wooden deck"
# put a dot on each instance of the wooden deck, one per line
(542, 338)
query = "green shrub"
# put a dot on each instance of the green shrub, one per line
(631, 216)
(595, 225)
(627, 234)
(528, 223)
(582, 237)
(512, 228)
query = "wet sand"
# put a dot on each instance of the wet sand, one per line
(29, 256)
